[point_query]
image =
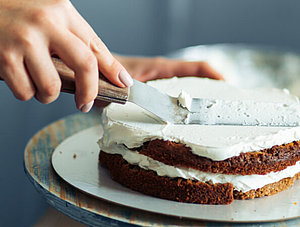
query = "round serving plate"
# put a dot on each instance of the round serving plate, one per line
(76, 161)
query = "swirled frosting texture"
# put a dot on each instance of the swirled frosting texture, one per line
(132, 126)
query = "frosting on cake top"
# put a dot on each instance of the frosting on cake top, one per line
(131, 125)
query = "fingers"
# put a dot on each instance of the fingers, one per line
(83, 62)
(14, 74)
(145, 69)
(43, 75)
(32, 30)
(109, 66)
(199, 69)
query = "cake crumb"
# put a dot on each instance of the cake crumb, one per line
(60, 152)
(74, 156)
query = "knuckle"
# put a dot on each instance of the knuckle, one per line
(26, 38)
(98, 45)
(7, 59)
(8, 64)
(39, 15)
(52, 89)
(48, 15)
(89, 63)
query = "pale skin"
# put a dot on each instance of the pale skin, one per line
(145, 69)
(32, 31)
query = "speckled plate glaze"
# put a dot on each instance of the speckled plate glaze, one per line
(76, 161)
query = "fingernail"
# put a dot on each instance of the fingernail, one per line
(87, 107)
(125, 78)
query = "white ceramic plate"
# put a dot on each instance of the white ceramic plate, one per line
(76, 161)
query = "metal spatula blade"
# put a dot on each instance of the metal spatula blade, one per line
(161, 105)
(211, 112)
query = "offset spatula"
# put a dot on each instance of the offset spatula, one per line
(201, 111)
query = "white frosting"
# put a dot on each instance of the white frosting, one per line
(185, 100)
(131, 125)
(233, 112)
(241, 183)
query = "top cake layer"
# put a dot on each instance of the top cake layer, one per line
(131, 125)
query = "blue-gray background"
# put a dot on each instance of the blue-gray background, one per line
(136, 27)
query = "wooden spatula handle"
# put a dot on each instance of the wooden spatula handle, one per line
(106, 90)
(67, 76)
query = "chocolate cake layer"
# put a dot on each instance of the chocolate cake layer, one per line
(261, 162)
(176, 189)
(182, 190)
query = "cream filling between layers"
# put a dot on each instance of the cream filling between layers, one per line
(241, 183)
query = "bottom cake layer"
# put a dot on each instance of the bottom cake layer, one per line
(179, 189)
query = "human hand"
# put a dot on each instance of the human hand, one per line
(33, 30)
(144, 69)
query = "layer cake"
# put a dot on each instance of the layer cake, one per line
(207, 164)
